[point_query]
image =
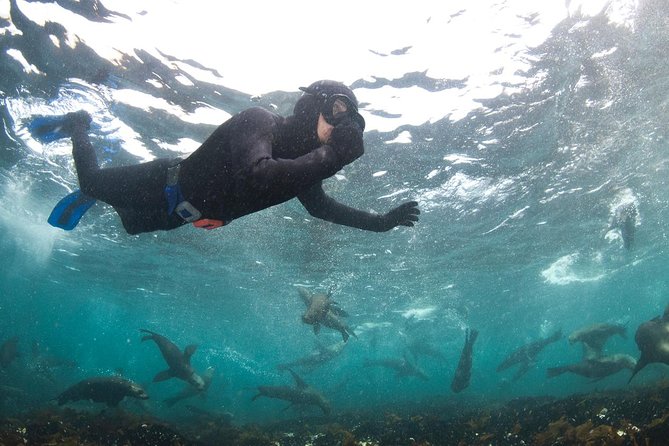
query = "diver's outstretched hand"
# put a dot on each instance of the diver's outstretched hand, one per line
(405, 214)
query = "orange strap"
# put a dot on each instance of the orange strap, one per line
(208, 223)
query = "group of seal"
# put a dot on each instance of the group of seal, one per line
(113, 389)
(652, 339)
(595, 363)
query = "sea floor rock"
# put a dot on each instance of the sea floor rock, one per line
(625, 417)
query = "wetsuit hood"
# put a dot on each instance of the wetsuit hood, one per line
(314, 93)
(302, 125)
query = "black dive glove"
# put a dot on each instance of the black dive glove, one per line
(405, 214)
(346, 140)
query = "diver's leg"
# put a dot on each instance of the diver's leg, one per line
(85, 159)
(126, 186)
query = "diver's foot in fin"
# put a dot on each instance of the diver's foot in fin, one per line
(47, 129)
(69, 210)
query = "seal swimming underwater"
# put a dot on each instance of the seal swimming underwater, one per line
(179, 363)
(190, 391)
(624, 219)
(321, 310)
(9, 351)
(526, 355)
(105, 389)
(320, 356)
(595, 336)
(652, 338)
(403, 367)
(301, 394)
(596, 368)
(421, 346)
(464, 371)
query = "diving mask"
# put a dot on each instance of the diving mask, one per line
(336, 108)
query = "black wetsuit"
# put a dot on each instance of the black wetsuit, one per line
(254, 160)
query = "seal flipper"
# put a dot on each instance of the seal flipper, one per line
(336, 309)
(522, 369)
(665, 315)
(641, 363)
(552, 372)
(163, 376)
(299, 382)
(317, 328)
(147, 337)
(188, 352)
(69, 210)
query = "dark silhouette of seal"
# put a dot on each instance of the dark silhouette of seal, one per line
(403, 367)
(321, 355)
(189, 391)
(595, 368)
(526, 355)
(652, 338)
(178, 362)
(595, 336)
(300, 395)
(624, 219)
(464, 371)
(9, 351)
(104, 389)
(421, 346)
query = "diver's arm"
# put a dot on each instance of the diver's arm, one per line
(320, 205)
(293, 175)
(266, 172)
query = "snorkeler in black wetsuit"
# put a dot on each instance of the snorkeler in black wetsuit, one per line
(253, 161)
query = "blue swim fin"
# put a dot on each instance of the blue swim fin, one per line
(69, 210)
(47, 129)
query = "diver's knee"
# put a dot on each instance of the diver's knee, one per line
(89, 183)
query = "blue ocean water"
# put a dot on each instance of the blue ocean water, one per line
(517, 195)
